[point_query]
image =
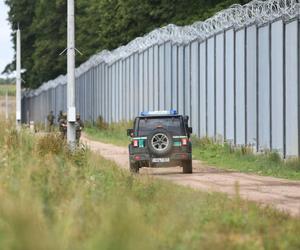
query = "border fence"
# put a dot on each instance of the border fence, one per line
(236, 75)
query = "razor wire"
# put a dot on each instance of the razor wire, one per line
(236, 16)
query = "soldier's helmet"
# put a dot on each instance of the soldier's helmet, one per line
(77, 116)
(64, 114)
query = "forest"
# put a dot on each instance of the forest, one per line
(100, 24)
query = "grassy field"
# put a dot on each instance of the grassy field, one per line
(9, 88)
(221, 156)
(51, 199)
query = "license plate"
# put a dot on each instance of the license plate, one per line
(161, 160)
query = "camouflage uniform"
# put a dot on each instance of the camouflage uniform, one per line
(50, 119)
(79, 126)
(63, 126)
(60, 116)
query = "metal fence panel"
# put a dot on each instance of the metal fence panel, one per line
(161, 87)
(174, 77)
(251, 84)
(240, 74)
(292, 88)
(131, 87)
(211, 87)
(180, 95)
(229, 85)
(277, 86)
(156, 78)
(220, 87)
(187, 80)
(135, 91)
(264, 88)
(145, 81)
(121, 85)
(203, 89)
(168, 76)
(195, 87)
(141, 81)
(151, 78)
(127, 88)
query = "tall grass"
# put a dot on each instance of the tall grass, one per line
(52, 199)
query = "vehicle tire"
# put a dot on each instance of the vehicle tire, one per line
(187, 167)
(134, 167)
(160, 142)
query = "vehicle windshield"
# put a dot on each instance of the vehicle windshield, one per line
(148, 124)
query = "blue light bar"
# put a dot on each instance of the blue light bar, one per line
(159, 112)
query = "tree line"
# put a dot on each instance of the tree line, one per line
(100, 24)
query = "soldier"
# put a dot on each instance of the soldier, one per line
(79, 126)
(60, 116)
(50, 119)
(63, 124)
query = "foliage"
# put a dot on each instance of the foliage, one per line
(100, 24)
(58, 201)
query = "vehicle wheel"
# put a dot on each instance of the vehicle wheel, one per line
(160, 142)
(134, 167)
(187, 167)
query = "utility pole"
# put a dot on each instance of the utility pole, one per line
(71, 131)
(18, 81)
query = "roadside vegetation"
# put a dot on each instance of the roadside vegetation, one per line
(52, 199)
(244, 160)
(114, 133)
(219, 155)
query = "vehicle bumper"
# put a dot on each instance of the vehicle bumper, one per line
(173, 158)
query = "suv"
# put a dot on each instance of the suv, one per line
(159, 139)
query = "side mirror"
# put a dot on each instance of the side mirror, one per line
(130, 132)
(190, 130)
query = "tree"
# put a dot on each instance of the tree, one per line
(21, 12)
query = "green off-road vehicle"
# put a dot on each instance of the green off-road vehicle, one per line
(160, 139)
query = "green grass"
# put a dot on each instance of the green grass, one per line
(243, 160)
(115, 133)
(9, 88)
(218, 155)
(51, 199)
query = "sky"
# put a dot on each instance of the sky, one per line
(6, 46)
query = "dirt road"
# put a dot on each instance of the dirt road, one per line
(280, 193)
